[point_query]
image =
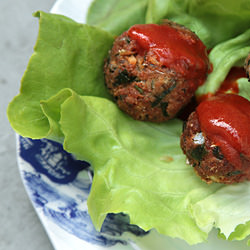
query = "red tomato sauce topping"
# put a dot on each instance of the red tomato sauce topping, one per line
(229, 85)
(173, 48)
(225, 120)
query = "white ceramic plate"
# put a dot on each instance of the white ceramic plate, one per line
(59, 193)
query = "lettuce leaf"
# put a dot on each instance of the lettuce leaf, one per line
(223, 57)
(226, 209)
(139, 168)
(116, 16)
(67, 54)
(244, 88)
(214, 21)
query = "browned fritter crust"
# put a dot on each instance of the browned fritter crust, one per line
(141, 86)
(207, 159)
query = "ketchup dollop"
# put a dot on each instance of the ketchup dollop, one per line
(175, 48)
(225, 120)
(229, 85)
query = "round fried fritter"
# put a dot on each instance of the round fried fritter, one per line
(145, 88)
(206, 157)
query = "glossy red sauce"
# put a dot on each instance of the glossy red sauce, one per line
(225, 119)
(173, 48)
(229, 85)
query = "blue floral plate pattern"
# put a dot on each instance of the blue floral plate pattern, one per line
(58, 186)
